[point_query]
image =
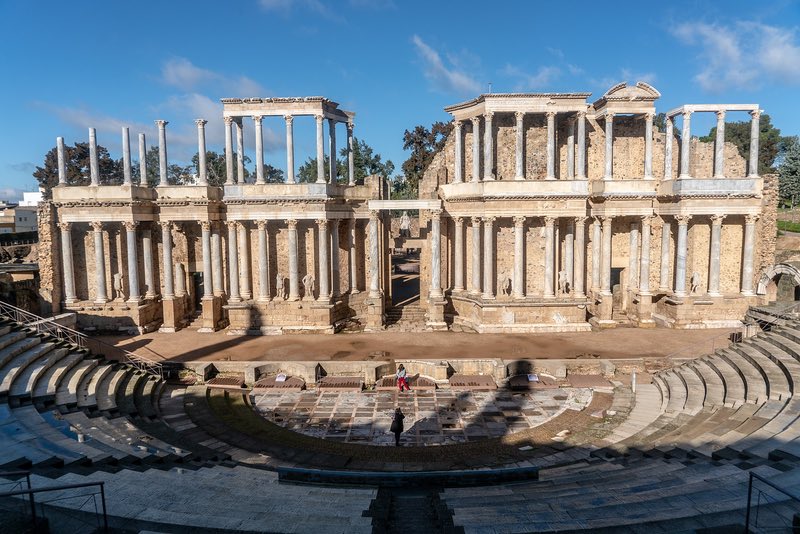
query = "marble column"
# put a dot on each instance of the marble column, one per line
(633, 256)
(62, 161)
(748, 254)
(133, 262)
(754, 134)
(719, 147)
(206, 250)
(476, 149)
(320, 150)
(233, 263)
(332, 151)
(162, 153)
(569, 250)
(549, 257)
(458, 173)
(488, 147)
(353, 253)
(551, 145)
(686, 142)
(579, 258)
(518, 291)
(202, 168)
(294, 276)
(476, 256)
(605, 283)
(351, 161)
(648, 146)
(94, 164)
(126, 156)
(663, 280)
(289, 148)
(230, 177)
(571, 149)
(436, 255)
(147, 259)
(520, 152)
(669, 136)
(101, 294)
(215, 281)
(66, 259)
(263, 262)
(180, 280)
(374, 252)
(596, 254)
(580, 162)
(244, 252)
(644, 260)
(335, 277)
(458, 271)
(239, 149)
(680, 262)
(259, 149)
(714, 260)
(169, 278)
(142, 161)
(609, 160)
(488, 258)
(324, 265)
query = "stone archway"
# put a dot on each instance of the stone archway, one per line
(779, 282)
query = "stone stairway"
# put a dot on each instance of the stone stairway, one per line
(408, 318)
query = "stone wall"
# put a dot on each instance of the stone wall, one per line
(50, 275)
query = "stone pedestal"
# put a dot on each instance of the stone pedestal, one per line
(174, 311)
(239, 318)
(642, 310)
(603, 309)
(212, 314)
(373, 318)
(436, 308)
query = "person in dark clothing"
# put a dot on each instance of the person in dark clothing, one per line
(397, 425)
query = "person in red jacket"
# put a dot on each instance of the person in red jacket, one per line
(402, 378)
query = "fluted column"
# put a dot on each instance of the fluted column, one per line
(580, 162)
(202, 169)
(289, 149)
(680, 262)
(633, 256)
(133, 262)
(644, 259)
(239, 149)
(259, 149)
(476, 149)
(488, 147)
(754, 134)
(436, 255)
(233, 263)
(458, 270)
(294, 276)
(101, 294)
(353, 266)
(748, 254)
(571, 149)
(519, 258)
(609, 160)
(596, 254)
(94, 163)
(332, 151)
(230, 177)
(605, 282)
(715, 257)
(244, 252)
(458, 174)
(351, 161)
(374, 261)
(324, 265)
(169, 277)
(476, 256)
(668, 149)
(142, 161)
(263, 262)
(719, 149)
(549, 256)
(162, 153)
(488, 257)
(648, 146)
(569, 250)
(147, 259)
(520, 152)
(126, 156)
(62, 161)
(686, 143)
(320, 150)
(215, 281)
(206, 250)
(551, 145)
(579, 258)
(335, 277)
(663, 280)
(66, 259)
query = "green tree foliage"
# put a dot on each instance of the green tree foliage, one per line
(176, 174)
(307, 172)
(769, 141)
(660, 122)
(78, 172)
(424, 144)
(366, 162)
(789, 173)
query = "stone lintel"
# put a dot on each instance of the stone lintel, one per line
(711, 108)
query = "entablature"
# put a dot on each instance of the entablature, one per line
(281, 106)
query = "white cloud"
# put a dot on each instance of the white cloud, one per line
(744, 55)
(11, 194)
(542, 78)
(449, 80)
(625, 75)
(181, 73)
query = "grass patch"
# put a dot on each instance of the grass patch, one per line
(788, 226)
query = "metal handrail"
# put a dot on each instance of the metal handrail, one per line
(64, 333)
(763, 480)
(30, 492)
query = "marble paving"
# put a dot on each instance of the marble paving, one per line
(432, 417)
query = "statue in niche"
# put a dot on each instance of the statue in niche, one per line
(119, 286)
(563, 282)
(280, 288)
(696, 282)
(405, 225)
(308, 284)
(505, 287)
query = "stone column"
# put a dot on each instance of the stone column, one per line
(353, 258)
(476, 256)
(668, 149)
(244, 251)
(126, 156)
(458, 176)
(748, 254)
(488, 147)
(259, 149)
(263, 262)
(162, 153)
(436, 255)
(133, 262)
(230, 177)
(239, 149)
(147, 259)
(754, 134)
(206, 244)
(324, 266)
(551, 145)
(374, 262)
(680, 263)
(571, 149)
(202, 171)
(609, 161)
(335, 283)
(166, 240)
(233, 264)
(663, 281)
(101, 295)
(644, 261)
(94, 164)
(62, 161)
(320, 150)
(648, 146)
(519, 258)
(215, 281)
(294, 276)
(686, 142)
(605, 283)
(596, 253)
(714, 260)
(332, 151)
(579, 258)
(476, 149)
(289, 149)
(569, 250)
(488, 258)
(633, 256)
(180, 280)
(520, 153)
(719, 150)
(142, 161)
(458, 274)
(66, 259)
(351, 161)
(549, 256)
(581, 158)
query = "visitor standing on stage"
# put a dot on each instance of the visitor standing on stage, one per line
(402, 378)
(397, 425)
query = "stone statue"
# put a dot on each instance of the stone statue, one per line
(505, 288)
(696, 281)
(405, 225)
(563, 282)
(280, 289)
(118, 286)
(308, 284)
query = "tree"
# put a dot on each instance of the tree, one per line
(78, 167)
(366, 162)
(176, 175)
(769, 141)
(660, 122)
(789, 173)
(424, 145)
(307, 173)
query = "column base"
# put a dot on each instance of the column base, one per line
(100, 302)
(519, 178)
(264, 299)
(748, 293)
(355, 291)
(488, 296)
(714, 294)
(549, 177)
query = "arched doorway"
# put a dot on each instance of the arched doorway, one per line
(780, 283)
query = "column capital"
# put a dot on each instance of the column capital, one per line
(161, 123)
(581, 114)
(201, 123)
(579, 221)
(205, 225)
(458, 219)
(489, 220)
(476, 121)
(228, 120)
(130, 226)
(716, 220)
(756, 113)
(65, 226)
(720, 115)
(606, 220)
(350, 126)
(649, 116)
(289, 119)
(476, 221)
(232, 225)
(262, 224)
(166, 225)
(488, 115)
(647, 220)
(687, 115)
(519, 221)
(751, 219)
(334, 222)
(291, 223)
(319, 119)
(550, 114)
(257, 119)
(683, 220)
(436, 214)
(609, 116)
(520, 115)
(549, 221)
(373, 215)
(322, 223)
(97, 226)
(457, 124)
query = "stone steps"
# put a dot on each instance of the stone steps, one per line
(17, 365)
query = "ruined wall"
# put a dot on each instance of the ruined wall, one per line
(49, 259)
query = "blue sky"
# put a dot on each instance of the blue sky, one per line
(70, 65)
